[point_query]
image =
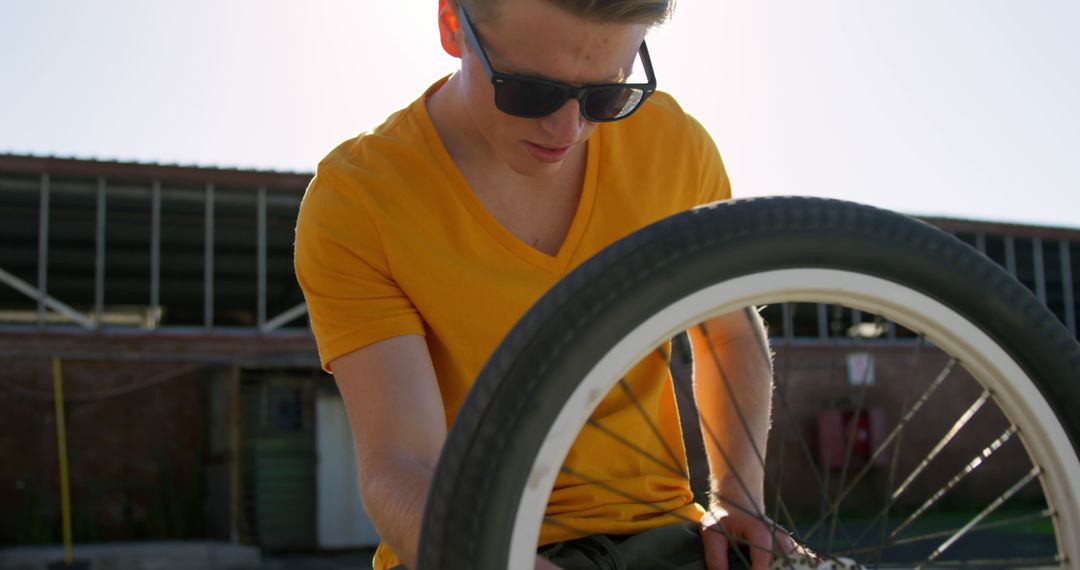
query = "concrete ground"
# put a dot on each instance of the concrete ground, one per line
(156, 555)
(181, 555)
(196, 555)
(351, 560)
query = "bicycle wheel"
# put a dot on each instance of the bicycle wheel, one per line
(502, 456)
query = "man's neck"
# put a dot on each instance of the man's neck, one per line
(537, 210)
(474, 155)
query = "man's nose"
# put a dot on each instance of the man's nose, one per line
(565, 124)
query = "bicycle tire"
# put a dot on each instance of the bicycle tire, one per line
(488, 459)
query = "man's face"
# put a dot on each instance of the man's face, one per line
(536, 38)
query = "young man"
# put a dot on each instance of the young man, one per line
(420, 244)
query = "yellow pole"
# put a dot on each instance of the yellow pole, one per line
(61, 444)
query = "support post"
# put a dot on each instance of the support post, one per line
(1040, 269)
(61, 447)
(155, 256)
(980, 242)
(789, 323)
(99, 263)
(260, 310)
(1067, 286)
(235, 453)
(208, 260)
(1010, 255)
(822, 322)
(43, 249)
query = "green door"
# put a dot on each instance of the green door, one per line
(279, 470)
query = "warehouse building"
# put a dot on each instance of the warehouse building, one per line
(164, 298)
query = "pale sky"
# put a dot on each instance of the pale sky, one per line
(961, 108)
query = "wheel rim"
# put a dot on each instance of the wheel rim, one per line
(1016, 395)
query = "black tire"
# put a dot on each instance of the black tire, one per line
(488, 455)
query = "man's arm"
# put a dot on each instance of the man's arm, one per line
(733, 377)
(398, 423)
(732, 351)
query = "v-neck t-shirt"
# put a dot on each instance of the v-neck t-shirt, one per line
(391, 241)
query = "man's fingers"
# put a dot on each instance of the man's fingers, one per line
(761, 553)
(756, 538)
(782, 542)
(716, 545)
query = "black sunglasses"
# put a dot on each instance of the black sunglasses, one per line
(531, 97)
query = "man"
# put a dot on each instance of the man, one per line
(419, 245)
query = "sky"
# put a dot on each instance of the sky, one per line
(957, 108)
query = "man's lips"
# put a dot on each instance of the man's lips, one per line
(546, 153)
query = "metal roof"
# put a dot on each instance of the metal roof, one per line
(175, 173)
(81, 167)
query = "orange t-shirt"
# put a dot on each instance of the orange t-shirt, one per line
(391, 241)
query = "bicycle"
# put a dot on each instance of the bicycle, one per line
(498, 466)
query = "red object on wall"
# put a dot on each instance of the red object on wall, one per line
(863, 431)
(857, 430)
(830, 435)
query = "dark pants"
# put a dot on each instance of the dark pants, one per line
(673, 547)
(676, 547)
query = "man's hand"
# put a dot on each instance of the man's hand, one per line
(721, 530)
(545, 564)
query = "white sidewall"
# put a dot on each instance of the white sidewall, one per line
(1015, 393)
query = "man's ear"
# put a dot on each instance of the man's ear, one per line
(449, 28)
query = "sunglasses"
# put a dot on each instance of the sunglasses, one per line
(532, 97)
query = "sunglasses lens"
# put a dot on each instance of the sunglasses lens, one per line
(524, 98)
(610, 103)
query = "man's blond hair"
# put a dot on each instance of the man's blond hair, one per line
(647, 12)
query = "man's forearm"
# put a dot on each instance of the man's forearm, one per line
(733, 389)
(395, 501)
(396, 507)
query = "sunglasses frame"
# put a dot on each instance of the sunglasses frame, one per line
(580, 94)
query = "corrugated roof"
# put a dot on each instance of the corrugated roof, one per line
(291, 180)
(185, 173)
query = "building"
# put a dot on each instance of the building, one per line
(192, 382)
(195, 403)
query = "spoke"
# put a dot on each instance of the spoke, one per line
(941, 377)
(732, 540)
(648, 420)
(778, 501)
(715, 440)
(949, 436)
(627, 443)
(674, 513)
(655, 430)
(964, 418)
(704, 423)
(731, 394)
(1002, 523)
(894, 465)
(1031, 562)
(781, 389)
(979, 517)
(728, 463)
(779, 506)
(762, 345)
(971, 466)
(807, 453)
(864, 385)
(1042, 515)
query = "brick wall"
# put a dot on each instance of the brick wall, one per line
(138, 431)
